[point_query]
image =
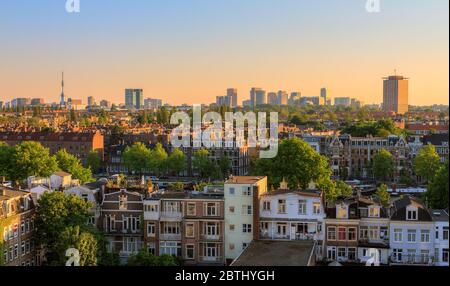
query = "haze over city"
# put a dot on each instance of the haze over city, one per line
(191, 51)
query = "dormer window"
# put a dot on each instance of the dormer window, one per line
(123, 202)
(342, 211)
(411, 213)
(374, 211)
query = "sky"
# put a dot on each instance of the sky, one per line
(190, 51)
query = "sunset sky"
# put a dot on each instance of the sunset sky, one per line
(190, 51)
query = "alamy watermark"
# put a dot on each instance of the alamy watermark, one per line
(73, 6)
(373, 6)
(226, 133)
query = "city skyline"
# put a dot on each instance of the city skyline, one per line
(208, 47)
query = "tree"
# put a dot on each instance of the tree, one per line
(344, 189)
(437, 193)
(158, 159)
(137, 157)
(383, 165)
(176, 162)
(31, 159)
(5, 159)
(427, 162)
(202, 164)
(84, 241)
(177, 186)
(71, 164)
(93, 161)
(145, 258)
(224, 166)
(383, 194)
(297, 162)
(57, 217)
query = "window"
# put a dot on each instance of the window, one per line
(191, 209)
(190, 229)
(5, 255)
(151, 208)
(231, 210)
(244, 245)
(231, 227)
(11, 253)
(266, 206)
(27, 246)
(363, 232)
(281, 229)
(246, 191)
(316, 208)
(445, 255)
(331, 234)
(22, 248)
(411, 235)
(424, 235)
(352, 233)
(445, 233)
(22, 228)
(151, 229)
(246, 228)
(331, 253)
(342, 253)
(16, 229)
(123, 202)
(211, 229)
(170, 248)
(374, 232)
(437, 232)
(374, 212)
(351, 253)
(424, 255)
(398, 235)
(246, 210)
(411, 255)
(210, 251)
(231, 246)
(281, 206)
(172, 207)
(397, 254)
(5, 233)
(232, 191)
(16, 251)
(211, 209)
(342, 233)
(190, 250)
(301, 207)
(171, 228)
(411, 215)
(151, 247)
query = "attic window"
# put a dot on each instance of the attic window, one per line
(374, 212)
(411, 214)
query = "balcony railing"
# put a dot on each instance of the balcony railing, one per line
(412, 260)
(172, 215)
(210, 237)
(170, 236)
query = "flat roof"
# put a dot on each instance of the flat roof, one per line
(276, 253)
(244, 179)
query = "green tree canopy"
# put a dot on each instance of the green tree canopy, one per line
(146, 259)
(158, 159)
(344, 189)
(137, 157)
(202, 164)
(438, 188)
(31, 159)
(176, 161)
(383, 165)
(427, 162)
(383, 194)
(71, 164)
(297, 162)
(93, 161)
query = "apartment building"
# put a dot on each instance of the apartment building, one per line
(120, 220)
(79, 144)
(189, 225)
(292, 215)
(242, 194)
(411, 233)
(440, 218)
(17, 212)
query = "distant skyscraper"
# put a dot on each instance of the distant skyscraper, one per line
(261, 97)
(324, 94)
(272, 98)
(37, 101)
(283, 97)
(232, 94)
(395, 94)
(295, 97)
(342, 101)
(91, 101)
(63, 99)
(255, 93)
(134, 98)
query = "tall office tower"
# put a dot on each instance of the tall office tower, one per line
(272, 98)
(324, 94)
(261, 97)
(283, 97)
(134, 98)
(253, 95)
(342, 101)
(295, 97)
(395, 94)
(232, 94)
(63, 99)
(91, 101)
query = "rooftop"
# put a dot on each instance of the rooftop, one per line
(276, 253)
(244, 179)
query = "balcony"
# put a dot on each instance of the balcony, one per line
(171, 216)
(419, 260)
(211, 259)
(210, 237)
(170, 236)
